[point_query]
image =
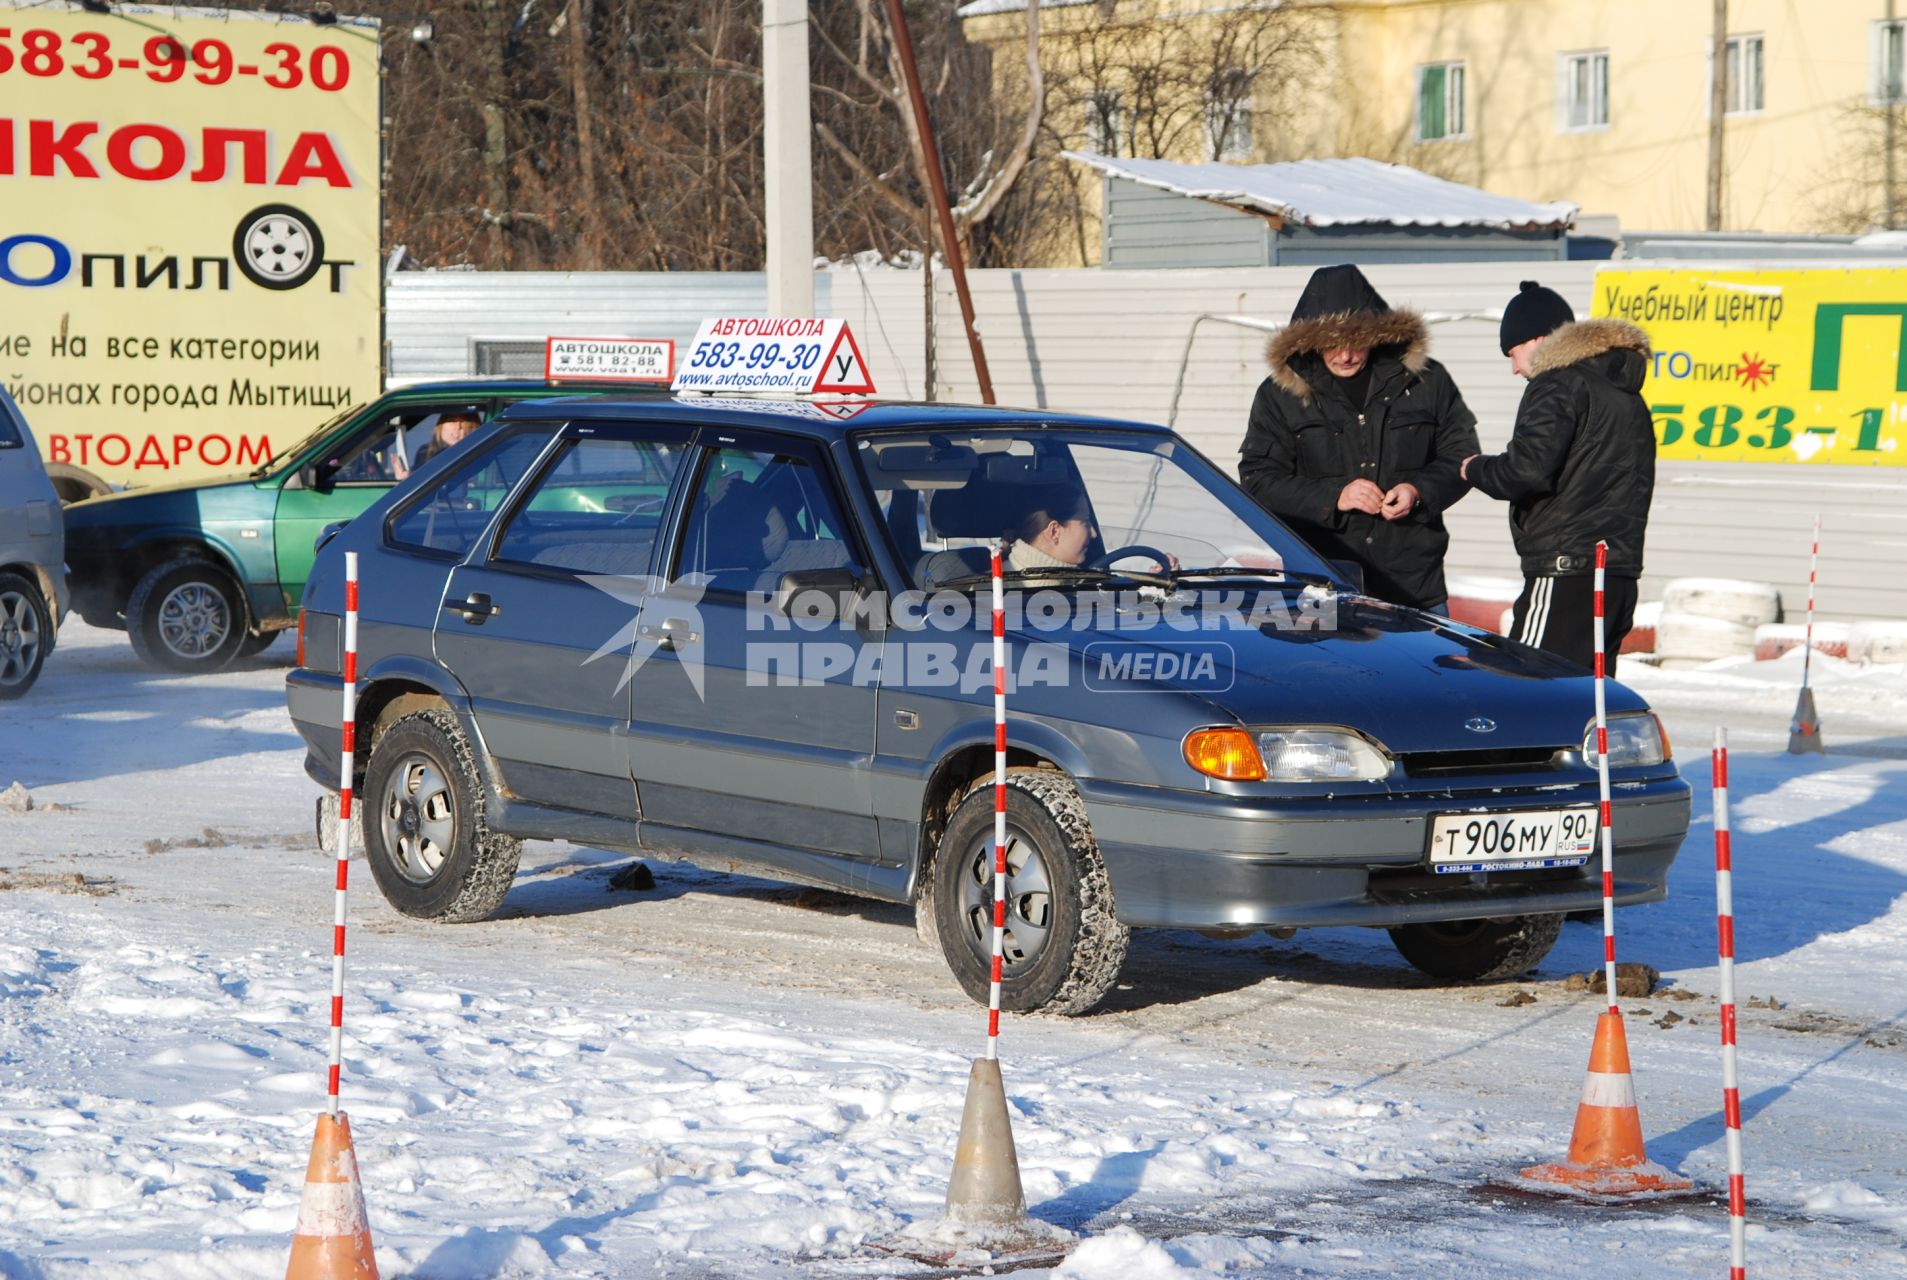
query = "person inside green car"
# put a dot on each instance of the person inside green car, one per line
(451, 428)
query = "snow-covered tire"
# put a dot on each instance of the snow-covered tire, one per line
(26, 634)
(1687, 636)
(1065, 943)
(1478, 950)
(425, 837)
(1748, 604)
(186, 615)
(1877, 642)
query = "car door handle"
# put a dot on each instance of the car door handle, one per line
(669, 634)
(475, 607)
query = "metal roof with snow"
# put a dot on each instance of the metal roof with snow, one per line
(1339, 193)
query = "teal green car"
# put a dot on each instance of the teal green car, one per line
(201, 572)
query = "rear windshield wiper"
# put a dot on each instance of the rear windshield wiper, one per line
(1066, 573)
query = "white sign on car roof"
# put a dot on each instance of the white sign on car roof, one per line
(610, 359)
(789, 355)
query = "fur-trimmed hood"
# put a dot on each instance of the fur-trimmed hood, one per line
(1403, 332)
(1584, 340)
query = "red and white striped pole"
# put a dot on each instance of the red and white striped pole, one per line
(1602, 783)
(1814, 559)
(346, 769)
(999, 803)
(1725, 948)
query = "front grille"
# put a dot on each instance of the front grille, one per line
(1451, 764)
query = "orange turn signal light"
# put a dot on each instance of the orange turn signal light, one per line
(1230, 755)
(1668, 752)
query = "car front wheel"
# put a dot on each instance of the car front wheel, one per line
(1063, 943)
(186, 615)
(1478, 950)
(425, 837)
(26, 634)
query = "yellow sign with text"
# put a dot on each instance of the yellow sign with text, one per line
(1771, 366)
(189, 232)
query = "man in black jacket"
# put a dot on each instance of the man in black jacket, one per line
(1580, 469)
(1356, 438)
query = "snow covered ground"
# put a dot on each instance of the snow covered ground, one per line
(722, 1077)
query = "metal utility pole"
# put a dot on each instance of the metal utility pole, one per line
(1717, 109)
(937, 185)
(788, 157)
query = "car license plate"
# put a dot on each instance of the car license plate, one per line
(1470, 842)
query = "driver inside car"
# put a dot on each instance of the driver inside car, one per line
(1056, 531)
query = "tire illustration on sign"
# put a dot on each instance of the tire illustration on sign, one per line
(278, 246)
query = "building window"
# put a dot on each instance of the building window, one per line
(1228, 116)
(1106, 123)
(1745, 92)
(1582, 98)
(1890, 61)
(1440, 101)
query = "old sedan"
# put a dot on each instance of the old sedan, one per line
(758, 634)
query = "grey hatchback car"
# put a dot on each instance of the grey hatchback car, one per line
(32, 556)
(756, 634)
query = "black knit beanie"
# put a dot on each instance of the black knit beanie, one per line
(1535, 312)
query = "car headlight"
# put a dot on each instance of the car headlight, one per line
(1320, 755)
(1285, 755)
(1634, 739)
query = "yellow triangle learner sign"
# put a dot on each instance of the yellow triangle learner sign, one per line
(774, 355)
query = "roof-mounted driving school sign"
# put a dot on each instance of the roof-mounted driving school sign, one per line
(787, 355)
(189, 257)
(610, 359)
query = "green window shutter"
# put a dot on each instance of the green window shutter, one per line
(1430, 103)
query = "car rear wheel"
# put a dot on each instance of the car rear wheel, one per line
(26, 634)
(1478, 950)
(425, 837)
(186, 615)
(1063, 943)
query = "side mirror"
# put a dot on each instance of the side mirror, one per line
(824, 594)
(1351, 571)
(318, 476)
(327, 533)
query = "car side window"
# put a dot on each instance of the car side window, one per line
(397, 445)
(448, 516)
(757, 515)
(595, 508)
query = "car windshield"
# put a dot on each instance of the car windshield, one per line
(1072, 506)
(283, 456)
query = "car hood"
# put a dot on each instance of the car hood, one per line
(109, 508)
(1409, 680)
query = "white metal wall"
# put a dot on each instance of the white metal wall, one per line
(1111, 342)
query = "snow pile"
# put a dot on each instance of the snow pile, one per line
(1703, 619)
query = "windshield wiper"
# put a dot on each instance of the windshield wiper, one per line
(1242, 571)
(1066, 572)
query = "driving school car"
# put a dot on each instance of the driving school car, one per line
(758, 635)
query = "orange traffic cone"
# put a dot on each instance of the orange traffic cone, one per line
(333, 1240)
(1606, 1157)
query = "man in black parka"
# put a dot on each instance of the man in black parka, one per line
(1357, 436)
(1580, 469)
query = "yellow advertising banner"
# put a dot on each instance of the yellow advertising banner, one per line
(1771, 366)
(189, 231)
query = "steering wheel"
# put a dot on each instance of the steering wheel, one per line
(1117, 554)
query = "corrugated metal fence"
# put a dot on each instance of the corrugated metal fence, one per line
(1112, 343)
